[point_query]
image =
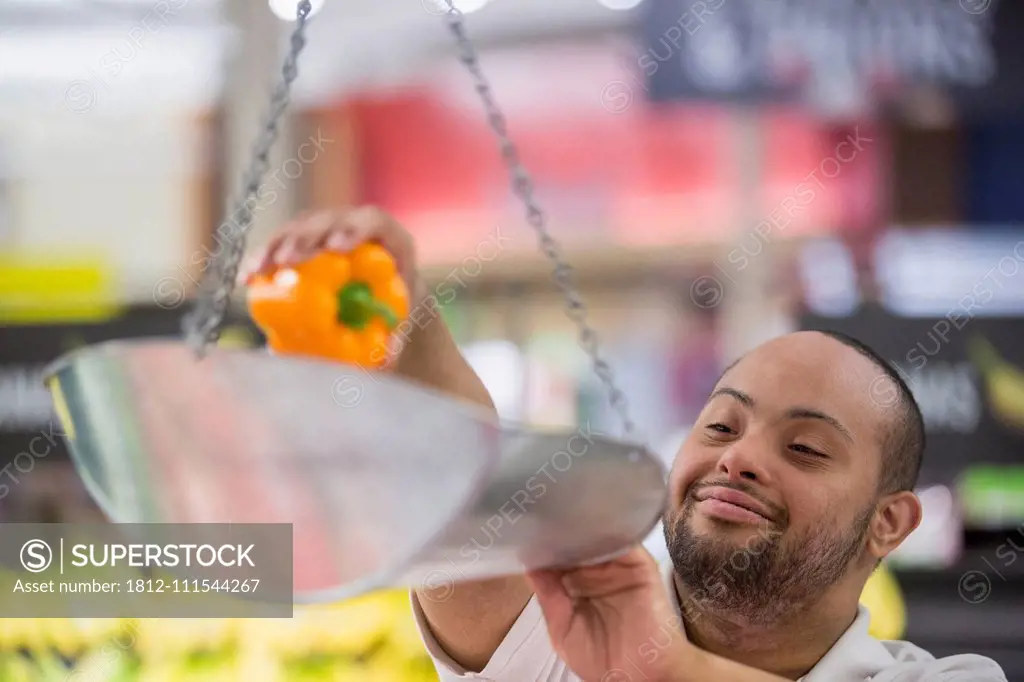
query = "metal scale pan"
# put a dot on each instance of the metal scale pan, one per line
(387, 484)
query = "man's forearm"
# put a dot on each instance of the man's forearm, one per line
(697, 665)
(432, 358)
(471, 622)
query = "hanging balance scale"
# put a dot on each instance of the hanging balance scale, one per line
(385, 483)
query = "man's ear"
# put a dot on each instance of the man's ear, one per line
(896, 517)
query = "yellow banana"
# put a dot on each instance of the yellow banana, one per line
(338, 635)
(62, 636)
(7, 627)
(19, 670)
(258, 664)
(358, 624)
(1004, 383)
(884, 600)
(160, 671)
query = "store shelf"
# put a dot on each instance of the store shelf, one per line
(589, 264)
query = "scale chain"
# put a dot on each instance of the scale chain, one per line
(522, 186)
(202, 325)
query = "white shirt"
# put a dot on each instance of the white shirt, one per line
(526, 655)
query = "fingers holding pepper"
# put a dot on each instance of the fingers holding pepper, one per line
(332, 305)
(340, 230)
(292, 243)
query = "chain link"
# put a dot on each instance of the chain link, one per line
(202, 325)
(522, 186)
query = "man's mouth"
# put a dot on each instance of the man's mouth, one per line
(732, 505)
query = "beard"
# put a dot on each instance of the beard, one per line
(771, 578)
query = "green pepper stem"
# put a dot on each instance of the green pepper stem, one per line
(357, 306)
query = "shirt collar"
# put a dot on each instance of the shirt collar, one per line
(856, 655)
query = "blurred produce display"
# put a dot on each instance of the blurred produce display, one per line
(370, 639)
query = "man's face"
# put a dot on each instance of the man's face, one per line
(772, 491)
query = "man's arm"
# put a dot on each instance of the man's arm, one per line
(475, 619)
(701, 665)
(473, 622)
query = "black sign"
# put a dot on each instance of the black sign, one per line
(967, 375)
(758, 50)
(27, 421)
(1003, 94)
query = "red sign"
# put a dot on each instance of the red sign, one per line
(818, 176)
(614, 167)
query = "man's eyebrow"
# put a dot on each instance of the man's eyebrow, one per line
(807, 413)
(794, 413)
(738, 395)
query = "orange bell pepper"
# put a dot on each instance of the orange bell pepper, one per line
(333, 306)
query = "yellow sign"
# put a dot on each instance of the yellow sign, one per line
(1002, 380)
(236, 338)
(46, 290)
(60, 406)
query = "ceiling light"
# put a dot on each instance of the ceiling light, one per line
(465, 6)
(289, 9)
(620, 4)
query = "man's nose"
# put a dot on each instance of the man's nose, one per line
(741, 462)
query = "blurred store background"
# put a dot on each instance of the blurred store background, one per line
(718, 172)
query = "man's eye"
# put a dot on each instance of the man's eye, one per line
(720, 428)
(804, 450)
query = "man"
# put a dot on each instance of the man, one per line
(794, 483)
